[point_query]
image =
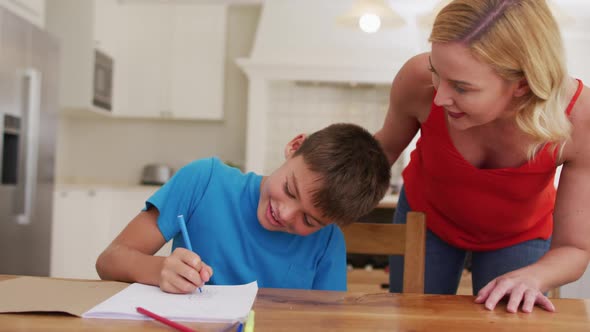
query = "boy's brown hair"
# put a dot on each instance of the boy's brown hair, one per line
(352, 167)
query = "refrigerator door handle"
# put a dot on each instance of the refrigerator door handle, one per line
(32, 108)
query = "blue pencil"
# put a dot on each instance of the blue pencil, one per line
(183, 230)
(187, 241)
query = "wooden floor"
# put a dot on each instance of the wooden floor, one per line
(373, 281)
(361, 280)
(465, 286)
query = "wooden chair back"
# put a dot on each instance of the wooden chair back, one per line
(407, 239)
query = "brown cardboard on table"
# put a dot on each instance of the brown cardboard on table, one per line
(36, 294)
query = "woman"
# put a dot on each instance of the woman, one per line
(497, 114)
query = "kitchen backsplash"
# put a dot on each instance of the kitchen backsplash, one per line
(303, 107)
(112, 151)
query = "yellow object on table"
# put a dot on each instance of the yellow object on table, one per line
(250, 322)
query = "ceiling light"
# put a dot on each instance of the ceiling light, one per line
(371, 15)
(369, 23)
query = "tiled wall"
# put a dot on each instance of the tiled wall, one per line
(296, 108)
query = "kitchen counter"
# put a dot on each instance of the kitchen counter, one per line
(105, 186)
(388, 202)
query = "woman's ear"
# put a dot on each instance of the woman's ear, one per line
(522, 88)
(294, 145)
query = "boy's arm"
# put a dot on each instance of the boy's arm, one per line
(331, 271)
(130, 258)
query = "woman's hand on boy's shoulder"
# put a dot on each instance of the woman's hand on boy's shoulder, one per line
(183, 272)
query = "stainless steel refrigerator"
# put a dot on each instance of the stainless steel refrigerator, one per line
(28, 122)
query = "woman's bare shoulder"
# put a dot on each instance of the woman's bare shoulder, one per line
(580, 119)
(412, 90)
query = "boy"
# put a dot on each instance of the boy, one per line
(279, 230)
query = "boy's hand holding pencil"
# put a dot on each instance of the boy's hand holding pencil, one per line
(183, 272)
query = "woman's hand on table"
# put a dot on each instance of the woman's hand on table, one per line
(520, 288)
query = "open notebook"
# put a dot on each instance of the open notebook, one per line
(213, 304)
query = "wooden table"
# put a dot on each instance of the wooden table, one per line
(309, 311)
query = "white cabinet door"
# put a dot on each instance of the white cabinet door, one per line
(579, 289)
(86, 221)
(108, 26)
(126, 204)
(31, 10)
(110, 37)
(168, 58)
(72, 22)
(144, 62)
(80, 232)
(81, 27)
(198, 61)
(172, 62)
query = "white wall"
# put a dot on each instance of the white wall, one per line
(577, 50)
(296, 108)
(104, 150)
(307, 32)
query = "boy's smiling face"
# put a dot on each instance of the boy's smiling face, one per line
(286, 196)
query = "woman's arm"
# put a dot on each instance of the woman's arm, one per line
(409, 104)
(569, 255)
(570, 247)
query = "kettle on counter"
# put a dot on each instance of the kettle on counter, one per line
(156, 174)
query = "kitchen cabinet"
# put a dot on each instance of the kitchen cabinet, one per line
(31, 10)
(73, 23)
(198, 61)
(173, 64)
(108, 26)
(15, 40)
(125, 204)
(168, 58)
(579, 289)
(80, 232)
(142, 85)
(85, 222)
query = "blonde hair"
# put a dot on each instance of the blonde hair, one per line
(519, 39)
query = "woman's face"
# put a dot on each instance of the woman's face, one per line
(471, 93)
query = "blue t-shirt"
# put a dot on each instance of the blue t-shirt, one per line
(219, 204)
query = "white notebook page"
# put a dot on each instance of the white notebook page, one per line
(213, 304)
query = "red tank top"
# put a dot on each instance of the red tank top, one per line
(479, 209)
